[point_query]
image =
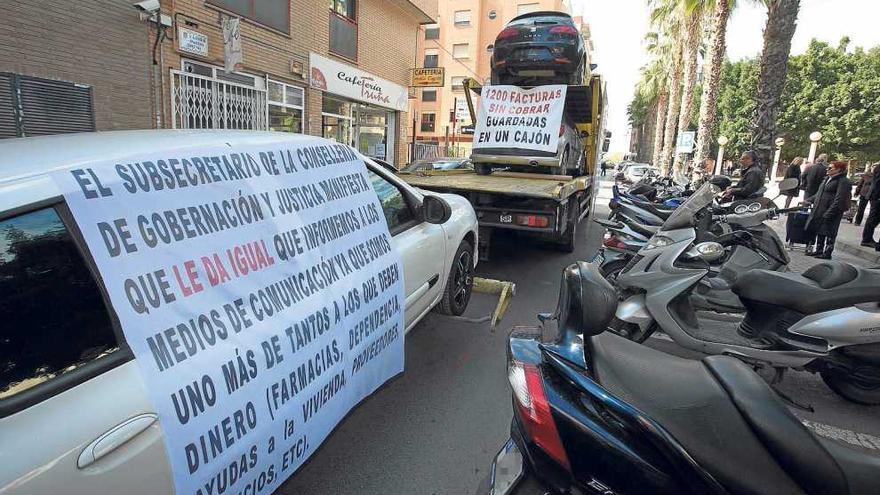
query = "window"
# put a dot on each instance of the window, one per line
(54, 317)
(527, 8)
(462, 17)
(32, 106)
(458, 82)
(272, 13)
(460, 50)
(346, 8)
(397, 211)
(432, 32)
(206, 97)
(344, 28)
(285, 107)
(428, 121)
(429, 95)
(432, 58)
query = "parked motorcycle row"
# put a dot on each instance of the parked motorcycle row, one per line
(595, 411)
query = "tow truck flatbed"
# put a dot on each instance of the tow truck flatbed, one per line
(554, 187)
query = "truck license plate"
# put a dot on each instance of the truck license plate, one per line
(506, 218)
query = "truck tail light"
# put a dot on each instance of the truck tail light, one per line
(532, 220)
(534, 410)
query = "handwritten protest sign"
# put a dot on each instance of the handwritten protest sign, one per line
(259, 291)
(526, 119)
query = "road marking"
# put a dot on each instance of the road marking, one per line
(834, 433)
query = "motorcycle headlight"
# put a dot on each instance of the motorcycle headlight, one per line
(710, 251)
(658, 241)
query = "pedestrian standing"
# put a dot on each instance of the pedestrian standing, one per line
(830, 202)
(604, 166)
(873, 215)
(813, 176)
(793, 172)
(863, 191)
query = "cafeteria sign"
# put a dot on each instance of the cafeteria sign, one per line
(428, 77)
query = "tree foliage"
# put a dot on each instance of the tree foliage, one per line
(829, 89)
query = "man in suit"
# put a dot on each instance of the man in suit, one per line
(813, 176)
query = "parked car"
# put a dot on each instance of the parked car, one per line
(567, 160)
(636, 172)
(439, 163)
(539, 48)
(75, 414)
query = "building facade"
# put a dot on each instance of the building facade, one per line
(74, 65)
(461, 41)
(340, 70)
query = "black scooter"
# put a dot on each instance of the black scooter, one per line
(595, 413)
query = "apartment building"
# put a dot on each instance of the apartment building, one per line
(461, 42)
(333, 68)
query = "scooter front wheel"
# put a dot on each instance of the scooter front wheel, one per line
(631, 331)
(860, 385)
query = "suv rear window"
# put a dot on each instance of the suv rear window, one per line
(54, 317)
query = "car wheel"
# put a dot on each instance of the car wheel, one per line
(460, 282)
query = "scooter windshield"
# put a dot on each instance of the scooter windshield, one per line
(684, 215)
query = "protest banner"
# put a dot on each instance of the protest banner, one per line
(259, 291)
(526, 119)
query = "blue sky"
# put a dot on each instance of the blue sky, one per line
(618, 27)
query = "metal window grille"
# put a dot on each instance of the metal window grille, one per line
(199, 102)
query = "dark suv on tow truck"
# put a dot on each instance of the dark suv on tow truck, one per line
(539, 48)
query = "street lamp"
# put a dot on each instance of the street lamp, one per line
(780, 142)
(814, 145)
(722, 142)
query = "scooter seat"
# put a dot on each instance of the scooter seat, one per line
(645, 230)
(823, 287)
(728, 420)
(653, 208)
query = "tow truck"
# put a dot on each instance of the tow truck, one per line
(549, 206)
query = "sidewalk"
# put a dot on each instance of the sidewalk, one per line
(848, 238)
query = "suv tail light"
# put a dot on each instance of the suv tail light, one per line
(507, 33)
(566, 30)
(534, 410)
(561, 130)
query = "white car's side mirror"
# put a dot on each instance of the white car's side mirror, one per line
(436, 209)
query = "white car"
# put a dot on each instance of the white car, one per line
(75, 416)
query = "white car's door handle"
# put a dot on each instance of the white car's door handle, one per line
(116, 437)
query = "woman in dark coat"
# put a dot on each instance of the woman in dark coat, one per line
(793, 172)
(831, 201)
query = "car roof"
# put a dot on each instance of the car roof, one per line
(25, 163)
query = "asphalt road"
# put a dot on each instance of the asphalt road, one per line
(435, 428)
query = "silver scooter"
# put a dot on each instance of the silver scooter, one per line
(826, 320)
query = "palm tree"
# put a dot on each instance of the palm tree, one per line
(712, 79)
(781, 24)
(668, 17)
(654, 86)
(693, 16)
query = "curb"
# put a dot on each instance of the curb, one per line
(867, 254)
